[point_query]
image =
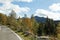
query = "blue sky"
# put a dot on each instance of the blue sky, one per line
(37, 4)
(41, 8)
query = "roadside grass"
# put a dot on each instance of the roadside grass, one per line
(58, 36)
(29, 37)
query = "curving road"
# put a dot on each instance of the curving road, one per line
(8, 34)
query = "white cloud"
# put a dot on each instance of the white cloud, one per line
(16, 8)
(55, 7)
(54, 12)
(8, 6)
(7, 1)
(45, 13)
(25, 0)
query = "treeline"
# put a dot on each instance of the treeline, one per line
(29, 25)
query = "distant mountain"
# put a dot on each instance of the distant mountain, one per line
(57, 21)
(43, 20)
(40, 19)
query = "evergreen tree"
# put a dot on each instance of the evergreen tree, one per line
(35, 25)
(40, 30)
(50, 27)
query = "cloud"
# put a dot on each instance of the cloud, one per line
(9, 1)
(24, 0)
(14, 7)
(45, 13)
(52, 12)
(6, 1)
(55, 7)
(7, 7)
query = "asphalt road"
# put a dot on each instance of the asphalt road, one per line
(8, 34)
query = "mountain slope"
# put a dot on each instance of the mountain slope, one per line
(42, 19)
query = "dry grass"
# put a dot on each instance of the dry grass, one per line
(25, 38)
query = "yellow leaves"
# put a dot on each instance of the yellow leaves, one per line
(27, 21)
(58, 36)
(58, 28)
(3, 19)
(27, 24)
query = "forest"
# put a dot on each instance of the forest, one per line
(29, 26)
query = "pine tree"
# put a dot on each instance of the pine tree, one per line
(35, 25)
(40, 30)
(50, 28)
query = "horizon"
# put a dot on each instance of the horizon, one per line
(40, 8)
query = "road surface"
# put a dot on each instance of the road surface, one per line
(8, 34)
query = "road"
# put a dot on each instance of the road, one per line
(8, 34)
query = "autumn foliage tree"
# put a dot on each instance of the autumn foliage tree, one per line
(26, 23)
(12, 22)
(3, 19)
(29, 24)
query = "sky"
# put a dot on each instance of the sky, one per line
(41, 8)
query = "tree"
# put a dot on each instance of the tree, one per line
(40, 29)
(50, 28)
(47, 27)
(3, 19)
(34, 24)
(29, 24)
(12, 21)
(58, 30)
(25, 23)
(19, 20)
(13, 14)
